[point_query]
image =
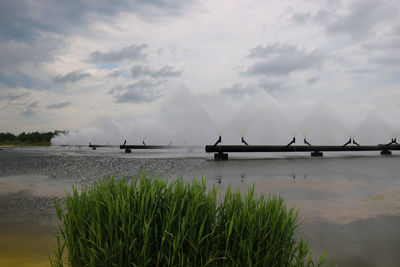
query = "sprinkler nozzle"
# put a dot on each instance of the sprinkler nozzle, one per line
(291, 142)
(354, 142)
(348, 142)
(306, 142)
(218, 141)
(244, 142)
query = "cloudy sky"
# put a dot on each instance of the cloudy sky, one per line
(65, 63)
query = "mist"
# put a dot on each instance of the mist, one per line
(261, 118)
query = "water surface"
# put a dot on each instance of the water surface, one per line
(349, 204)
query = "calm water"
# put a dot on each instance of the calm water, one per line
(349, 204)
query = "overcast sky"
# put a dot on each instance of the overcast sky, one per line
(65, 63)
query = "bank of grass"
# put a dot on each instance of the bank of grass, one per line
(150, 222)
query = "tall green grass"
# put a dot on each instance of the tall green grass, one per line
(150, 222)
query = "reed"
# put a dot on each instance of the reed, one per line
(150, 222)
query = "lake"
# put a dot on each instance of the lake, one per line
(349, 203)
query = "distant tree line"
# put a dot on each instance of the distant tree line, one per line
(23, 138)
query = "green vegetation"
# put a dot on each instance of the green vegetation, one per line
(27, 139)
(149, 222)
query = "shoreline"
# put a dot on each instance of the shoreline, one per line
(23, 145)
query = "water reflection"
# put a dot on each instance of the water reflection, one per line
(345, 203)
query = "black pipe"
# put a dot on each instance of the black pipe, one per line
(94, 146)
(308, 148)
(158, 147)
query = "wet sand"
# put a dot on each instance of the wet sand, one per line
(26, 248)
(348, 205)
(27, 228)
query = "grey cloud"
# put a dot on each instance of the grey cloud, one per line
(237, 90)
(132, 52)
(365, 70)
(145, 84)
(312, 80)
(19, 79)
(115, 89)
(137, 85)
(31, 109)
(391, 60)
(13, 96)
(166, 71)
(390, 43)
(14, 54)
(300, 18)
(385, 51)
(281, 60)
(26, 20)
(323, 16)
(138, 96)
(21, 62)
(358, 19)
(71, 77)
(115, 74)
(270, 85)
(269, 50)
(361, 18)
(143, 91)
(59, 105)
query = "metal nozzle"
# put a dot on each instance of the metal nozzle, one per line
(218, 141)
(354, 142)
(292, 142)
(306, 142)
(348, 142)
(244, 142)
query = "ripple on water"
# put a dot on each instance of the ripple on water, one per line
(343, 201)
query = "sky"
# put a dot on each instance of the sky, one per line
(65, 64)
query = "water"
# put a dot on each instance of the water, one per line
(349, 203)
